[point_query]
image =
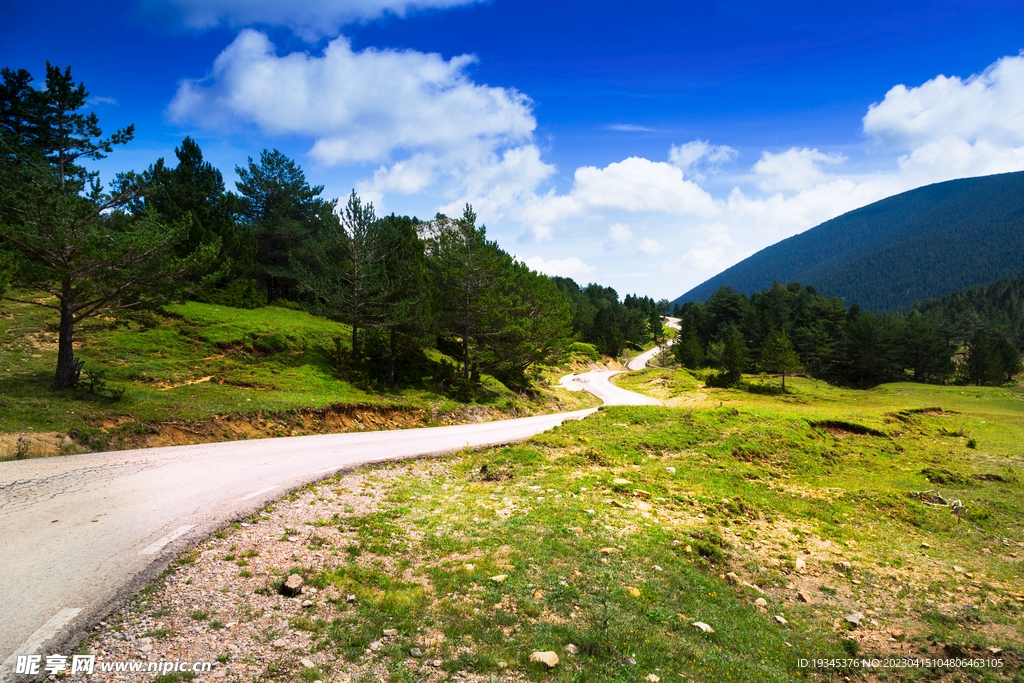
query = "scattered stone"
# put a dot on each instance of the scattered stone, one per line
(957, 569)
(350, 598)
(618, 481)
(308, 663)
(416, 652)
(633, 590)
(375, 645)
(549, 658)
(652, 678)
(617, 504)
(844, 566)
(280, 643)
(802, 596)
(925, 545)
(390, 632)
(502, 664)
(606, 551)
(781, 619)
(658, 569)
(630, 661)
(703, 627)
(292, 586)
(986, 550)
(670, 470)
(642, 494)
(746, 584)
(147, 648)
(470, 567)
(854, 618)
(897, 633)
(761, 603)
(800, 564)
(732, 578)
(499, 578)
(437, 662)
(307, 603)
(572, 649)
(642, 506)
(688, 549)
(995, 650)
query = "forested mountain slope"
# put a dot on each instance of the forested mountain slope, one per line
(920, 244)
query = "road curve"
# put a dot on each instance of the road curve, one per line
(80, 532)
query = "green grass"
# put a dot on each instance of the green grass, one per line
(819, 468)
(200, 363)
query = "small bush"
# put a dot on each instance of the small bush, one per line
(972, 443)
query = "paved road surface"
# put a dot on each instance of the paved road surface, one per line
(77, 533)
(641, 361)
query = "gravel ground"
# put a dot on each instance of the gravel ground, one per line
(211, 608)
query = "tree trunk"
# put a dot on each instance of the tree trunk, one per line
(68, 369)
(783, 382)
(391, 360)
(355, 343)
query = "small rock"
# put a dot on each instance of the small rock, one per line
(280, 643)
(618, 481)
(703, 627)
(630, 661)
(606, 551)
(670, 470)
(308, 663)
(804, 597)
(896, 633)
(389, 632)
(658, 569)
(499, 578)
(633, 590)
(470, 567)
(761, 603)
(572, 649)
(416, 652)
(957, 569)
(437, 662)
(843, 566)
(781, 619)
(642, 506)
(375, 645)
(800, 564)
(652, 678)
(732, 578)
(549, 658)
(854, 618)
(688, 549)
(146, 648)
(925, 545)
(502, 664)
(292, 586)
(350, 598)
(986, 550)
(307, 603)
(995, 650)
(746, 584)
(642, 494)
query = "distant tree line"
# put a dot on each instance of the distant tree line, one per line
(969, 338)
(599, 318)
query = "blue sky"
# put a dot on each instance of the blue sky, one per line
(645, 146)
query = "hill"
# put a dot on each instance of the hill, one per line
(921, 244)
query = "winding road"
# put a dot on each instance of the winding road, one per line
(78, 533)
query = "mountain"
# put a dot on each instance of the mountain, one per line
(920, 244)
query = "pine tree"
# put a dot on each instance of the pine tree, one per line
(76, 241)
(778, 355)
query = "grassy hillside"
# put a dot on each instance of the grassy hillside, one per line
(198, 372)
(920, 244)
(618, 533)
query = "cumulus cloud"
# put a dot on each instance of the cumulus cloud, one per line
(794, 169)
(570, 267)
(93, 101)
(640, 185)
(619, 234)
(988, 106)
(310, 19)
(418, 115)
(651, 246)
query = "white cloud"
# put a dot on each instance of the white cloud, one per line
(794, 169)
(619, 234)
(651, 246)
(987, 106)
(310, 19)
(639, 185)
(570, 267)
(417, 114)
(93, 101)
(691, 156)
(629, 128)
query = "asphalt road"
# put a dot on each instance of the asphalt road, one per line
(78, 533)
